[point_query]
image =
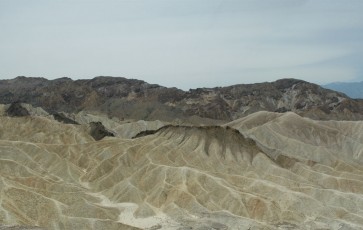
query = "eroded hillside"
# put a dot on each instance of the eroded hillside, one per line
(264, 171)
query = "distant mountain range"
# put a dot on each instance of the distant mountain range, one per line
(352, 89)
(134, 99)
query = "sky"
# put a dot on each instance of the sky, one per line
(183, 43)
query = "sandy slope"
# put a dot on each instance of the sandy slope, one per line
(264, 171)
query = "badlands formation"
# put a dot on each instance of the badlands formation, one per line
(266, 170)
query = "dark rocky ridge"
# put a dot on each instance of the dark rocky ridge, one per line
(17, 110)
(64, 119)
(98, 131)
(129, 98)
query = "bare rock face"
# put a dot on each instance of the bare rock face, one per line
(133, 99)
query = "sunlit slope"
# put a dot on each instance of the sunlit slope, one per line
(41, 162)
(325, 142)
(38, 129)
(265, 171)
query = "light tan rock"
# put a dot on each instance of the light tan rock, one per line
(264, 171)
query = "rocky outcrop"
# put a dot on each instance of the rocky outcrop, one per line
(98, 131)
(17, 110)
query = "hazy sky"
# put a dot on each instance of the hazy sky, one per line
(183, 43)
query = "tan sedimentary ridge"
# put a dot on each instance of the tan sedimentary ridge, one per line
(264, 171)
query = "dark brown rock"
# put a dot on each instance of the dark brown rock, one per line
(17, 110)
(130, 98)
(62, 118)
(98, 131)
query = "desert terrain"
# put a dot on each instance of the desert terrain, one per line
(267, 170)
